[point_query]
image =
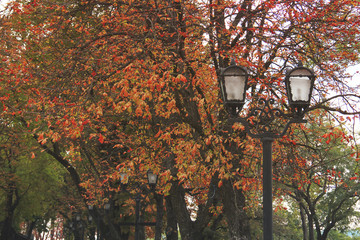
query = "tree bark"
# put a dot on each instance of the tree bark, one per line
(234, 203)
(189, 229)
(311, 227)
(171, 228)
(30, 228)
(303, 222)
(159, 215)
(177, 197)
(7, 231)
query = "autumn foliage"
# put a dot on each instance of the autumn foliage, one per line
(109, 86)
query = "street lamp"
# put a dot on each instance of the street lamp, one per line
(77, 226)
(152, 181)
(299, 84)
(233, 87)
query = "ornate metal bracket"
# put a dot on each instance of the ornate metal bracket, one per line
(260, 121)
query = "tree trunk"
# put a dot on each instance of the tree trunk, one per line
(141, 227)
(326, 231)
(177, 196)
(30, 228)
(303, 223)
(171, 228)
(7, 230)
(159, 215)
(233, 199)
(92, 233)
(311, 227)
(234, 203)
(189, 229)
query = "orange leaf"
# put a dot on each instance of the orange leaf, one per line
(101, 138)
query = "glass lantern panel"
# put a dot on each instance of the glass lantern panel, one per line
(152, 178)
(300, 88)
(235, 87)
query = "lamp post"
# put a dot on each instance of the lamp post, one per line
(258, 123)
(96, 216)
(152, 181)
(77, 226)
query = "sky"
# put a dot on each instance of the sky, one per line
(355, 70)
(3, 3)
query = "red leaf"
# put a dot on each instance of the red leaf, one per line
(101, 138)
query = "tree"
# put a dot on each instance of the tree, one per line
(107, 86)
(30, 187)
(325, 189)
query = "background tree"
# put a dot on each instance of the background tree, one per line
(320, 173)
(31, 187)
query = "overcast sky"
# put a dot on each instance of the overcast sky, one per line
(3, 3)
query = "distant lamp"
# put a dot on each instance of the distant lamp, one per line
(299, 85)
(233, 87)
(152, 178)
(107, 206)
(124, 179)
(90, 208)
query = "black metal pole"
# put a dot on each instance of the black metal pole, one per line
(137, 217)
(267, 188)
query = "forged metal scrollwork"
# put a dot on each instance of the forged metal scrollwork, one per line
(262, 120)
